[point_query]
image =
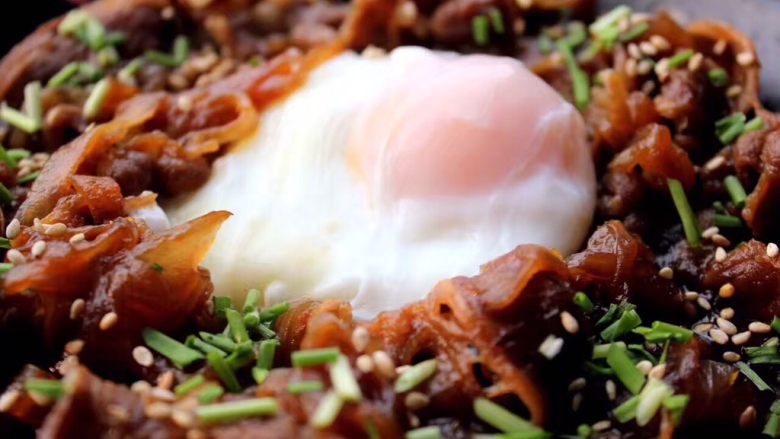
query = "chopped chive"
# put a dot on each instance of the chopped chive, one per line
(775, 324)
(178, 353)
(252, 320)
(580, 80)
(650, 400)
(501, 418)
(736, 190)
(224, 372)
(661, 332)
(496, 20)
(431, 432)
(17, 154)
(610, 316)
(598, 370)
(235, 410)
(753, 376)
(157, 267)
(727, 221)
(628, 320)
(52, 389)
(236, 323)
(546, 45)
(600, 350)
(221, 304)
(625, 370)
(639, 349)
(689, 221)
(6, 158)
(718, 77)
(18, 119)
(576, 34)
(251, 301)
(219, 341)
(97, 98)
(273, 312)
(680, 59)
(730, 128)
(480, 30)
(676, 405)
(584, 431)
(627, 410)
(128, 72)
(160, 58)
(5, 243)
(115, 38)
(72, 22)
(371, 430)
(5, 267)
(583, 301)
(415, 376)
(181, 49)
(635, 32)
(314, 357)
(189, 385)
(210, 394)
(6, 197)
(772, 426)
(343, 380)
(259, 375)
(242, 356)
(305, 387)
(29, 178)
(755, 124)
(761, 351)
(327, 411)
(64, 75)
(265, 331)
(610, 19)
(265, 357)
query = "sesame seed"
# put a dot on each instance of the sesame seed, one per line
(183, 418)
(15, 257)
(649, 85)
(611, 390)
(569, 323)
(720, 240)
(165, 380)
(167, 13)
(601, 425)
(77, 308)
(141, 387)
(748, 417)
(108, 321)
(704, 303)
(74, 347)
(633, 51)
(38, 248)
(364, 364)
(68, 364)
(118, 413)
(416, 400)
(360, 338)
(631, 67)
(384, 364)
(57, 229)
(577, 384)
(184, 103)
(691, 295)
(8, 399)
(746, 58)
(734, 91)
(720, 47)
(718, 336)
(644, 366)
(525, 4)
(666, 273)
(701, 328)
(657, 372)
(143, 356)
(576, 401)
(695, 62)
(720, 254)
(726, 290)
(741, 338)
(727, 313)
(726, 326)
(731, 357)
(759, 327)
(551, 346)
(772, 250)
(406, 13)
(400, 370)
(161, 394)
(78, 237)
(713, 164)
(38, 225)
(158, 410)
(660, 42)
(662, 69)
(644, 67)
(13, 229)
(648, 48)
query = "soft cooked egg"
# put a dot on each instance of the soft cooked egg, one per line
(379, 177)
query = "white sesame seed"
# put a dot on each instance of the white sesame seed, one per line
(184, 103)
(38, 248)
(759, 327)
(569, 323)
(525, 4)
(726, 326)
(662, 69)
(551, 346)
(38, 225)
(108, 321)
(406, 14)
(416, 400)
(731, 357)
(143, 356)
(734, 91)
(666, 273)
(15, 257)
(161, 394)
(741, 338)
(400, 370)
(644, 366)
(658, 371)
(649, 86)
(660, 42)
(165, 380)
(702, 328)
(577, 384)
(70, 363)
(773, 341)
(695, 62)
(13, 229)
(704, 303)
(57, 229)
(726, 290)
(718, 336)
(633, 51)
(141, 387)
(77, 308)
(720, 254)
(183, 418)
(8, 399)
(647, 48)
(772, 250)
(746, 58)
(601, 425)
(727, 313)
(748, 417)
(720, 47)
(360, 338)
(74, 347)
(691, 295)
(384, 364)
(118, 413)
(720, 240)
(644, 67)
(78, 237)
(611, 390)
(158, 410)
(576, 401)
(711, 165)
(631, 67)
(364, 364)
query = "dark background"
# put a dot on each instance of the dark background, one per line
(24, 16)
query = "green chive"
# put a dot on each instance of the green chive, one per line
(480, 29)
(210, 394)
(432, 432)
(576, 34)
(610, 19)
(627, 410)
(583, 301)
(755, 124)
(727, 221)
(115, 38)
(730, 128)
(625, 370)
(5, 243)
(600, 350)
(662, 331)
(772, 426)
(251, 301)
(200, 345)
(628, 320)
(595, 369)
(635, 32)
(305, 387)
(680, 59)
(415, 376)
(689, 221)
(343, 380)
(327, 411)
(580, 80)
(128, 72)
(252, 320)
(273, 312)
(157, 267)
(72, 22)
(265, 357)
(736, 190)
(242, 356)
(753, 376)
(18, 154)
(5, 267)
(189, 385)
(178, 353)
(546, 45)
(18, 119)
(6, 158)
(775, 324)
(181, 49)
(264, 331)
(63, 76)
(501, 418)
(611, 315)
(676, 405)
(29, 178)
(97, 98)
(236, 323)
(650, 400)
(314, 357)
(88, 74)
(259, 375)
(584, 431)
(221, 304)
(761, 351)
(497, 20)
(235, 410)
(219, 341)
(224, 372)
(718, 77)
(6, 197)
(52, 389)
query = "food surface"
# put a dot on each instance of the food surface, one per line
(265, 219)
